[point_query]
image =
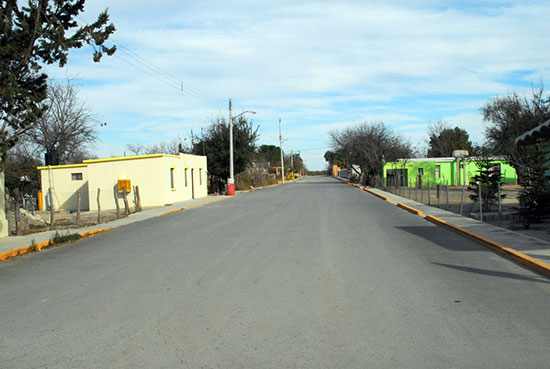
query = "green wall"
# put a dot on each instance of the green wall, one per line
(447, 171)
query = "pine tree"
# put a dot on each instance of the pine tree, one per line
(534, 198)
(487, 181)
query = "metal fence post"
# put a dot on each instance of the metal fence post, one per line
(429, 193)
(480, 199)
(462, 200)
(447, 190)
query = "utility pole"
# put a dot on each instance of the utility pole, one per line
(231, 180)
(281, 147)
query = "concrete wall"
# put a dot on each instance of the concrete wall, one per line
(65, 186)
(145, 171)
(162, 179)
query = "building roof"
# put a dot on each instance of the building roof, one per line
(119, 158)
(539, 132)
(445, 159)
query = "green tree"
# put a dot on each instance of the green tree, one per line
(215, 144)
(443, 140)
(337, 158)
(269, 154)
(32, 34)
(534, 198)
(486, 180)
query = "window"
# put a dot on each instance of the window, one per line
(185, 177)
(437, 171)
(76, 176)
(172, 178)
(200, 176)
(420, 171)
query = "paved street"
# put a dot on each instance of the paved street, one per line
(314, 274)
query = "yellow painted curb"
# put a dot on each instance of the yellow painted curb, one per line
(410, 209)
(190, 207)
(377, 194)
(41, 245)
(170, 212)
(520, 257)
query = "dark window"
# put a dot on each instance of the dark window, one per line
(76, 176)
(172, 178)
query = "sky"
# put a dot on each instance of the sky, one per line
(319, 66)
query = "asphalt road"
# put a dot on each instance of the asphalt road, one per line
(314, 274)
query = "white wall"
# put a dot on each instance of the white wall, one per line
(151, 173)
(60, 178)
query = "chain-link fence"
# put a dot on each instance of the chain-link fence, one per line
(453, 198)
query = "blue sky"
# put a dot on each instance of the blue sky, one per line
(317, 65)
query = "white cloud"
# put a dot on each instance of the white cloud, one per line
(316, 64)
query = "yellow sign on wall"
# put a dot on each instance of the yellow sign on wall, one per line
(124, 183)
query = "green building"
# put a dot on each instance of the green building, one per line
(440, 171)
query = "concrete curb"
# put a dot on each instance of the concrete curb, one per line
(37, 247)
(502, 249)
(410, 209)
(518, 256)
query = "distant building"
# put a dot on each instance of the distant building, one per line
(162, 179)
(441, 171)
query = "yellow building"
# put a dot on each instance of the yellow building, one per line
(161, 178)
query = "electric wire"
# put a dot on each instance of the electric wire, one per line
(159, 74)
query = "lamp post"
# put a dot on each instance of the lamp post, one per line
(231, 179)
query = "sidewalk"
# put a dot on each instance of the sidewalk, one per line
(19, 242)
(530, 251)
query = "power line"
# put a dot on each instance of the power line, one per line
(161, 75)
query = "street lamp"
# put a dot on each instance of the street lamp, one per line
(231, 180)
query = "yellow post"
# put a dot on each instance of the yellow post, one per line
(40, 203)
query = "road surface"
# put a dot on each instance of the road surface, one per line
(314, 274)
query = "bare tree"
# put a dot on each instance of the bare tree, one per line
(370, 145)
(508, 117)
(66, 126)
(172, 147)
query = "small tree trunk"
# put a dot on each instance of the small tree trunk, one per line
(116, 203)
(78, 208)
(17, 212)
(138, 198)
(98, 206)
(125, 198)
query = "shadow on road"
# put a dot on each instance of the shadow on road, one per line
(444, 238)
(493, 273)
